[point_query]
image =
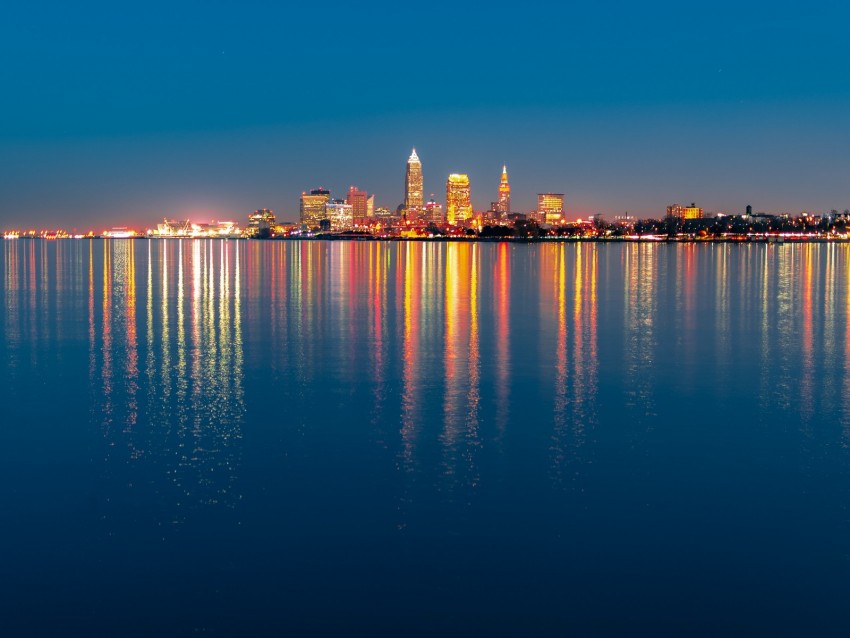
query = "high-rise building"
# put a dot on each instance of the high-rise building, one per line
(358, 200)
(261, 220)
(504, 206)
(370, 206)
(458, 202)
(340, 215)
(413, 197)
(550, 206)
(433, 212)
(313, 206)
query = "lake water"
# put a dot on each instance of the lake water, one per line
(414, 438)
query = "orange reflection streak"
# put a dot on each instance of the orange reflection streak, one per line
(43, 313)
(132, 354)
(195, 344)
(182, 377)
(828, 350)
(845, 271)
(765, 325)
(579, 362)
(502, 299)
(239, 357)
(450, 402)
(690, 285)
(560, 408)
(165, 371)
(92, 332)
(58, 286)
(584, 341)
(592, 366)
(721, 251)
(473, 395)
(33, 288)
(12, 324)
(106, 370)
(806, 380)
(376, 295)
(149, 354)
(374, 309)
(410, 348)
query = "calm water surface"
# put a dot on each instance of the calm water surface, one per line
(403, 438)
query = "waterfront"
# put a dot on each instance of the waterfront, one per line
(229, 436)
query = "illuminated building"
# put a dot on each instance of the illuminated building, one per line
(504, 203)
(550, 206)
(684, 212)
(433, 212)
(413, 197)
(313, 206)
(370, 206)
(339, 214)
(359, 201)
(458, 203)
(261, 220)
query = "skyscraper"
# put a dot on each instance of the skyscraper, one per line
(340, 215)
(261, 221)
(413, 196)
(358, 200)
(551, 206)
(504, 193)
(458, 202)
(313, 206)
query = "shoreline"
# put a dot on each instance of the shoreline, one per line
(490, 240)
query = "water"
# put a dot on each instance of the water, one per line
(410, 438)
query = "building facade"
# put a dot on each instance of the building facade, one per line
(313, 206)
(550, 207)
(261, 221)
(413, 189)
(684, 212)
(458, 200)
(433, 212)
(504, 204)
(340, 215)
(359, 201)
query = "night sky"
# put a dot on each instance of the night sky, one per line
(117, 114)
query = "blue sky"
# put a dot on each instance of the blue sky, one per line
(125, 114)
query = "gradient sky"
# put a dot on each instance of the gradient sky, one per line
(117, 114)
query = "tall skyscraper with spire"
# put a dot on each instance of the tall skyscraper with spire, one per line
(413, 195)
(504, 193)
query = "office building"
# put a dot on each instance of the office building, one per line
(261, 221)
(458, 201)
(359, 201)
(504, 203)
(340, 215)
(550, 207)
(413, 197)
(313, 206)
(684, 212)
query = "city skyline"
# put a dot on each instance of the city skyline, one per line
(131, 120)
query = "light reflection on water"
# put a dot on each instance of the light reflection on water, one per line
(442, 390)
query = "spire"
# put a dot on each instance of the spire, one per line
(413, 156)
